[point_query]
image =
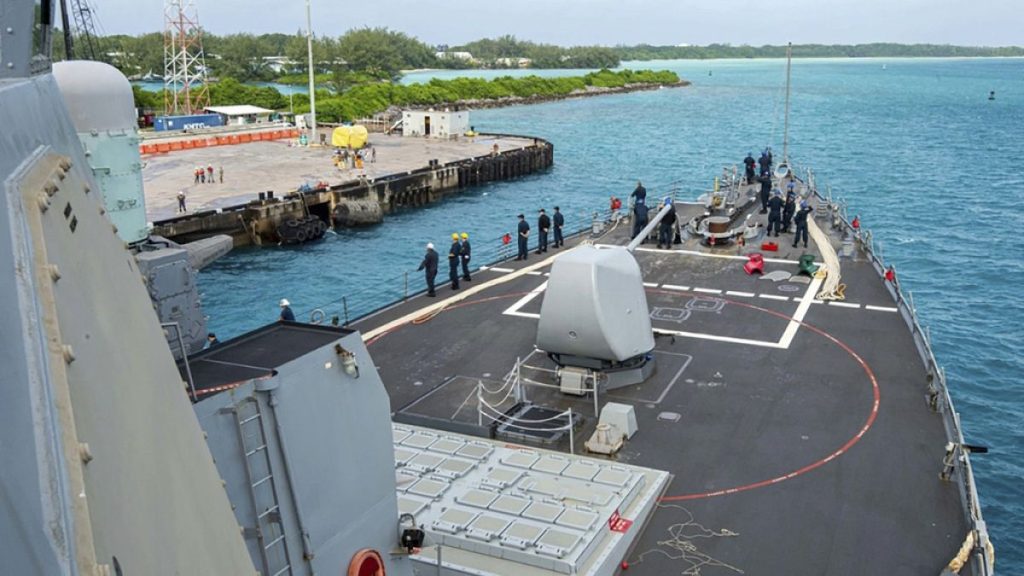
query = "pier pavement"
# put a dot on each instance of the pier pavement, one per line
(282, 166)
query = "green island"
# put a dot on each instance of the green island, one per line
(382, 53)
(366, 99)
(357, 73)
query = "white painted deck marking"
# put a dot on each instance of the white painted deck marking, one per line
(740, 294)
(774, 297)
(522, 314)
(674, 287)
(716, 338)
(801, 312)
(881, 308)
(497, 269)
(702, 254)
(513, 310)
(843, 304)
(651, 284)
(707, 290)
(535, 273)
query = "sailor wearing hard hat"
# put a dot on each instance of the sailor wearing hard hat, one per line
(465, 251)
(286, 310)
(429, 266)
(454, 255)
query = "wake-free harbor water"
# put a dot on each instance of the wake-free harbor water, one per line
(931, 165)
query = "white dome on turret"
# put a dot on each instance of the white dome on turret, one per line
(98, 96)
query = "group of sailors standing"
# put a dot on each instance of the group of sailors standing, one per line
(459, 253)
(782, 214)
(667, 232)
(544, 227)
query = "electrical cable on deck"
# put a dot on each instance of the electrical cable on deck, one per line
(831, 289)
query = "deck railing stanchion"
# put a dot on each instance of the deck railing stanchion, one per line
(572, 436)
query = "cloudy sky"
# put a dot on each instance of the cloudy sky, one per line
(609, 22)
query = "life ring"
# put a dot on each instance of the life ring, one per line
(366, 562)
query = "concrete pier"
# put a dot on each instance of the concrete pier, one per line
(407, 172)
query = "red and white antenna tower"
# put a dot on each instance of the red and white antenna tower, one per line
(185, 89)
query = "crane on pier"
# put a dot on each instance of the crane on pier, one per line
(81, 41)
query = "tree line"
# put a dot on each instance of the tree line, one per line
(381, 53)
(875, 50)
(365, 100)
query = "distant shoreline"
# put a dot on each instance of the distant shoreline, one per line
(509, 101)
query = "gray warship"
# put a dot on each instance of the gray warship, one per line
(714, 407)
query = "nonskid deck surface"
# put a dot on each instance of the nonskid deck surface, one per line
(797, 431)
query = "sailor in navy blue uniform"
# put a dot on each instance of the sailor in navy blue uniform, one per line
(523, 235)
(465, 248)
(639, 219)
(559, 222)
(429, 266)
(639, 193)
(667, 226)
(787, 211)
(775, 213)
(801, 223)
(766, 191)
(454, 255)
(543, 225)
(749, 162)
(286, 311)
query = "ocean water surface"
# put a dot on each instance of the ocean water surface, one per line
(914, 146)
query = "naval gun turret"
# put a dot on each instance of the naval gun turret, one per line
(100, 101)
(594, 323)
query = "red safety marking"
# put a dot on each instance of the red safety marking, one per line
(768, 482)
(819, 463)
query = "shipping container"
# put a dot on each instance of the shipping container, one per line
(194, 121)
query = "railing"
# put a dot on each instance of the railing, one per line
(938, 391)
(356, 304)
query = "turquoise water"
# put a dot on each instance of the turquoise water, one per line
(285, 89)
(931, 166)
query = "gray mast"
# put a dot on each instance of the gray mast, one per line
(312, 84)
(785, 137)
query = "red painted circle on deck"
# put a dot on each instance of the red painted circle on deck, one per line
(762, 483)
(813, 465)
